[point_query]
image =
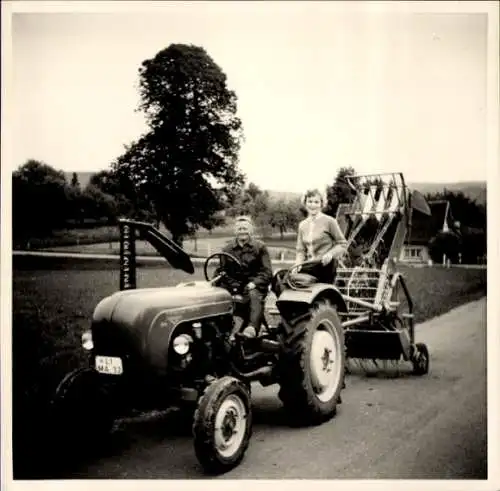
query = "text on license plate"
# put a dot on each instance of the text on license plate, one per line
(109, 364)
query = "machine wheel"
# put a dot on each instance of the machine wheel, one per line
(420, 359)
(315, 369)
(81, 412)
(222, 425)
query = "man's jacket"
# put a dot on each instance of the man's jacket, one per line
(256, 266)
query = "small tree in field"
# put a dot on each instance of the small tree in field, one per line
(121, 189)
(39, 199)
(445, 244)
(340, 191)
(75, 183)
(285, 215)
(186, 164)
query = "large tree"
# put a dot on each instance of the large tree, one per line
(186, 164)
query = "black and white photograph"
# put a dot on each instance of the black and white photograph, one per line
(250, 241)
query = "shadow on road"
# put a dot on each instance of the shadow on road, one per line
(145, 431)
(173, 427)
(379, 369)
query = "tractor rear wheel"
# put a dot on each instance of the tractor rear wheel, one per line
(314, 369)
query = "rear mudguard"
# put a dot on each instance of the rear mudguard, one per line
(294, 303)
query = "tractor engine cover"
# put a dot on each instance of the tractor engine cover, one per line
(143, 321)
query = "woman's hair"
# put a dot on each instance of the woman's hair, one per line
(313, 192)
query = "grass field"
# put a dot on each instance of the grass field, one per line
(53, 300)
(105, 238)
(202, 247)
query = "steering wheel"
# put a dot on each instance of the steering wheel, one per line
(235, 267)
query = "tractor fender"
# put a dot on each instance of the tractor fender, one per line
(295, 302)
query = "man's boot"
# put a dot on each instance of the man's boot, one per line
(249, 332)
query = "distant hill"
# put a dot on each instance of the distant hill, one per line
(475, 190)
(286, 195)
(84, 178)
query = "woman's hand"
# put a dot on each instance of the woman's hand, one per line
(335, 253)
(328, 257)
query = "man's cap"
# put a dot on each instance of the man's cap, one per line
(244, 219)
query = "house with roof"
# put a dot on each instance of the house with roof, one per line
(424, 228)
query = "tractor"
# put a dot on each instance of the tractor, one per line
(181, 347)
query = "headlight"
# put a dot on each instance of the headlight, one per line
(87, 342)
(181, 344)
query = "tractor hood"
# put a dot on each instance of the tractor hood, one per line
(176, 256)
(139, 324)
(137, 308)
(129, 229)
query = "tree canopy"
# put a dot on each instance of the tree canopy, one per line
(340, 191)
(464, 209)
(285, 215)
(39, 196)
(186, 165)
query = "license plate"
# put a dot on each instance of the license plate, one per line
(109, 365)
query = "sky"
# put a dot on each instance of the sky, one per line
(319, 87)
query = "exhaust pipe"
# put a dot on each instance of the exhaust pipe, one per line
(255, 374)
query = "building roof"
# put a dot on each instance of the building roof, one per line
(424, 228)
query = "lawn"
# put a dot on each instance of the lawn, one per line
(104, 240)
(53, 300)
(202, 247)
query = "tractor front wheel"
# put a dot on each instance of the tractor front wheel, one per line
(314, 369)
(82, 411)
(222, 425)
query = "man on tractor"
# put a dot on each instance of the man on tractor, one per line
(251, 283)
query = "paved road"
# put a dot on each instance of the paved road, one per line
(388, 428)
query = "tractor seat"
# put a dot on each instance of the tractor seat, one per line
(302, 280)
(283, 280)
